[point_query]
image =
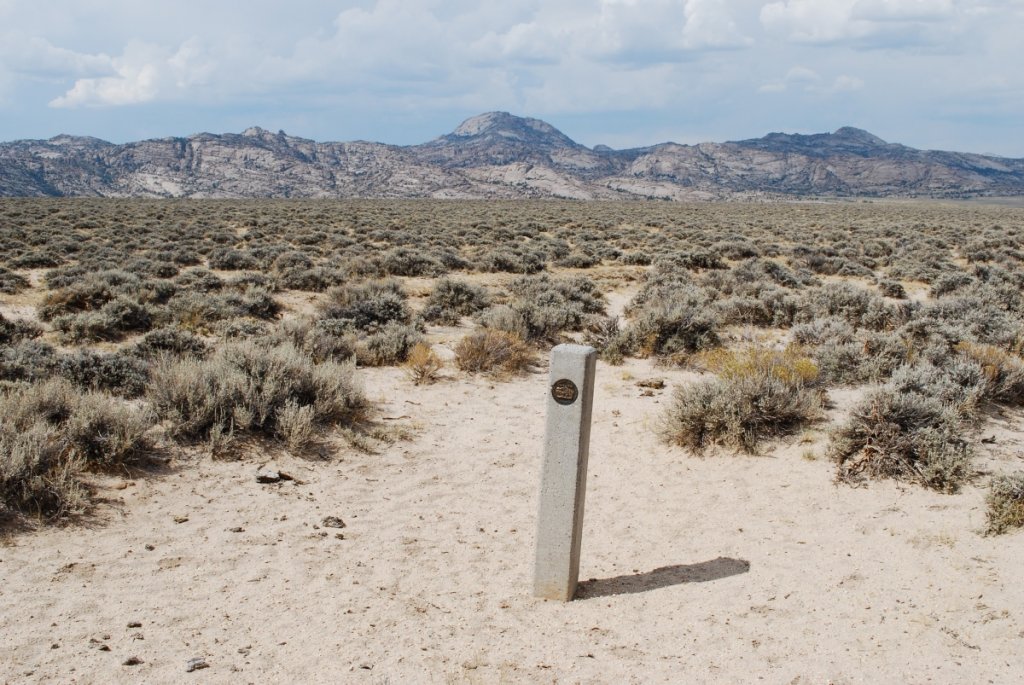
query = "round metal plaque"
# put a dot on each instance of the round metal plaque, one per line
(564, 391)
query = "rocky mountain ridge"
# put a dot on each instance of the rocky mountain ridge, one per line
(497, 154)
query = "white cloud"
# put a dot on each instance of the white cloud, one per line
(709, 24)
(902, 10)
(143, 73)
(828, 21)
(809, 81)
(616, 30)
(36, 56)
(842, 84)
(812, 21)
(391, 46)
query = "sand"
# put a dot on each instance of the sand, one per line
(724, 568)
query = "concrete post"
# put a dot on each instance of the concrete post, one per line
(563, 480)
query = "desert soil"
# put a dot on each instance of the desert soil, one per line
(723, 568)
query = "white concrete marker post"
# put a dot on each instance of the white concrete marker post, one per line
(563, 479)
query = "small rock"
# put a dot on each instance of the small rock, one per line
(269, 474)
(150, 548)
(54, 646)
(196, 664)
(647, 393)
(266, 475)
(96, 644)
(180, 519)
(236, 529)
(339, 536)
(138, 636)
(132, 661)
(333, 522)
(134, 624)
(655, 383)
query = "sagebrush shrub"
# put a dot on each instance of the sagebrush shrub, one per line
(387, 346)
(50, 432)
(112, 321)
(826, 329)
(12, 283)
(367, 306)
(902, 435)
(116, 373)
(28, 360)
(790, 365)
(1005, 504)
(548, 306)
(404, 261)
(452, 299)
(737, 413)
(244, 386)
(295, 424)
(422, 364)
(170, 340)
(1004, 372)
(37, 475)
(17, 330)
(492, 351)
(504, 318)
(670, 330)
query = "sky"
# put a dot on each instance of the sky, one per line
(932, 74)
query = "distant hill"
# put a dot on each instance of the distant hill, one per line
(498, 155)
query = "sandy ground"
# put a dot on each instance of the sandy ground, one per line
(726, 568)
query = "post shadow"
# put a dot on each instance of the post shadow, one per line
(704, 572)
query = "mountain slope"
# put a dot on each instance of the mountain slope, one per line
(496, 155)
